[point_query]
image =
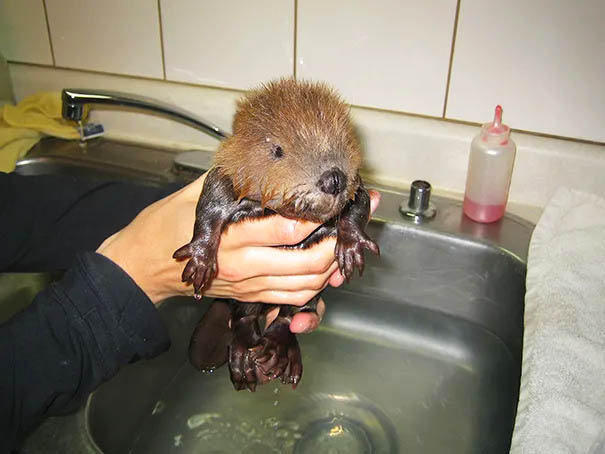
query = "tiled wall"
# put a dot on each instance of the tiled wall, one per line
(543, 60)
(415, 71)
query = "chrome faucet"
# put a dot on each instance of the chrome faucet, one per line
(419, 206)
(74, 101)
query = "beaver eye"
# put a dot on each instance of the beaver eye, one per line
(278, 152)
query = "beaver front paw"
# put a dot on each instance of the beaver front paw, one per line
(201, 268)
(349, 251)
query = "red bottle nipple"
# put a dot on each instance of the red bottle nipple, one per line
(496, 127)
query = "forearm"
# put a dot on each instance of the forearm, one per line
(46, 220)
(76, 334)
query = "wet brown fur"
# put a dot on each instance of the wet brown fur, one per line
(314, 176)
(311, 124)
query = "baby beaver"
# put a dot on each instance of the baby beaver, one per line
(293, 152)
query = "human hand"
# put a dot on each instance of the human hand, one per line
(248, 270)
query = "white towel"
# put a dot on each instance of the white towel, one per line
(562, 399)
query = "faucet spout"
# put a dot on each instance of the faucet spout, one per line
(74, 101)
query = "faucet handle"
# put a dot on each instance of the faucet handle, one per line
(419, 206)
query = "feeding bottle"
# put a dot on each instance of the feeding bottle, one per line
(490, 167)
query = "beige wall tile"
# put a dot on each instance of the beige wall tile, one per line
(398, 148)
(544, 61)
(111, 35)
(228, 43)
(214, 105)
(392, 54)
(23, 32)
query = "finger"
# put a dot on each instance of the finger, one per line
(277, 230)
(267, 261)
(262, 283)
(192, 190)
(336, 279)
(374, 199)
(271, 316)
(269, 231)
(321, 309)
(305, 322)
(299, 298)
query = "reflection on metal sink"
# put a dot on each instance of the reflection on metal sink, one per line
(421, 355)
(102, 159)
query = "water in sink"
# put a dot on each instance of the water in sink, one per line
(422, 355)
(275, 419)
(410, 381)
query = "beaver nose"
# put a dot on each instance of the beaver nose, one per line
(332, 181)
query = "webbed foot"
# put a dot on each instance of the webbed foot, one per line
(242, 358)
(209, 344)
(278, 354)
(275, 354)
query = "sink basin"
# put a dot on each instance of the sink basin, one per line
(421, 355)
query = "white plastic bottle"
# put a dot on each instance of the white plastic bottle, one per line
(490, 167)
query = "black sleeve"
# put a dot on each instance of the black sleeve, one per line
(79, 331)
(76, 334)
(45, 220)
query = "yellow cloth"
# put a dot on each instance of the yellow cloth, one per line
(23, 125)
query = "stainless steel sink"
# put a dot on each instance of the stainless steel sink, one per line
(421, 355)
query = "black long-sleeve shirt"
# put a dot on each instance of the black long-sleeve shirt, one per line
(82, 329)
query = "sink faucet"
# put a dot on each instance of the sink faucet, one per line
(75, 99)
(419, 207)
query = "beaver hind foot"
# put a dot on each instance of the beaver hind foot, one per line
(230, 332)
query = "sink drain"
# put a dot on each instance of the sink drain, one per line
(344, 424)
(337, 435)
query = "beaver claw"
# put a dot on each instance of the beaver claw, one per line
(279, 355)
(243, 368)
(276, 355)
(349, 251)
(201, 268)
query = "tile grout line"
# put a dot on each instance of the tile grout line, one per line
(451, 64)
(295, 37)
(161, 39)
(368, 108)
(123, 75)
(50, 39)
